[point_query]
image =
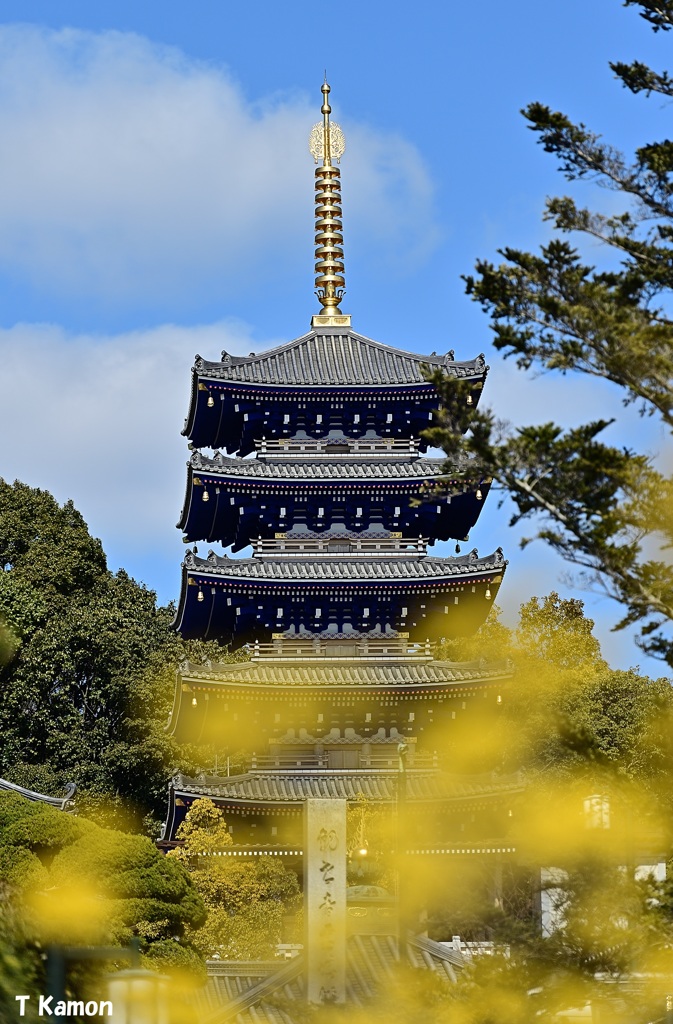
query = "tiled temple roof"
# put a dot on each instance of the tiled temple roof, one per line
(336, 358)
(415, 468)
(287, 674)
(268, 787)
(369, 571)
(61, 802)
(246, 992)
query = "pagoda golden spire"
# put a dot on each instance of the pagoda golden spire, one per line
(327, 143)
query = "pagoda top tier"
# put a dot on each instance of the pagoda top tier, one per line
(325, 380)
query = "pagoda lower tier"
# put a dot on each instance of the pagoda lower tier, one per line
(459, 815)
(326, 379)
(235, 500)
(238, 601)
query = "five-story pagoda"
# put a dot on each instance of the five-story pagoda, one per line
(340, 601)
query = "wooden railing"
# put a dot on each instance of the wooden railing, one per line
(394, 546)
(354, 447)
(324, 649)
(378, 760)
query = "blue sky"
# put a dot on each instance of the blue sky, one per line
(156, 201)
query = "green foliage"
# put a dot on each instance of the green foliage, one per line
(603, 508)
(468, 905)
(577, 728)
(557, 632)
(49, 858)
(19, 968)
(567, 708)
(66, 880)
(7, 644)
(492, 642)
(610, 921)
(250, 934)
(21, 870)
(659, 13)
(246, 900)
(89, 686)
(169, 956)
(204, 830)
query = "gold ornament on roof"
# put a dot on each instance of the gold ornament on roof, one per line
(316, 141)
(327, 143)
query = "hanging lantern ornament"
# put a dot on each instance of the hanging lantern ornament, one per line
(469, 399)
(205, 496)
(487, 595)
(457, 549)
(479, 494)
(211, 401)
(199, 596)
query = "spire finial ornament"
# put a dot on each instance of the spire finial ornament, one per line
(326, 143)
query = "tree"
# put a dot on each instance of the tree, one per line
(87, 661)
(18, 972)
(246, 900)
(568, 711)
(596, 749)
(67, 880)
(565, 710)
(603, 508)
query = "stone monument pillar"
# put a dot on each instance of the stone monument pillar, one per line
(325, 900)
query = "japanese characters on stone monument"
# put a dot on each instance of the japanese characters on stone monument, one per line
(325, 900)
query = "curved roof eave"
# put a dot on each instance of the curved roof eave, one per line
(371, 571)
(321, 358)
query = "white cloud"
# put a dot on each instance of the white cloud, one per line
(131, 171)
(98, 420)
(569, 400)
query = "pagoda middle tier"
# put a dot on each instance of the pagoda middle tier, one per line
(396, 587)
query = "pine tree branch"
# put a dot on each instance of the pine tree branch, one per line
(659, 13)
(639, 77)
